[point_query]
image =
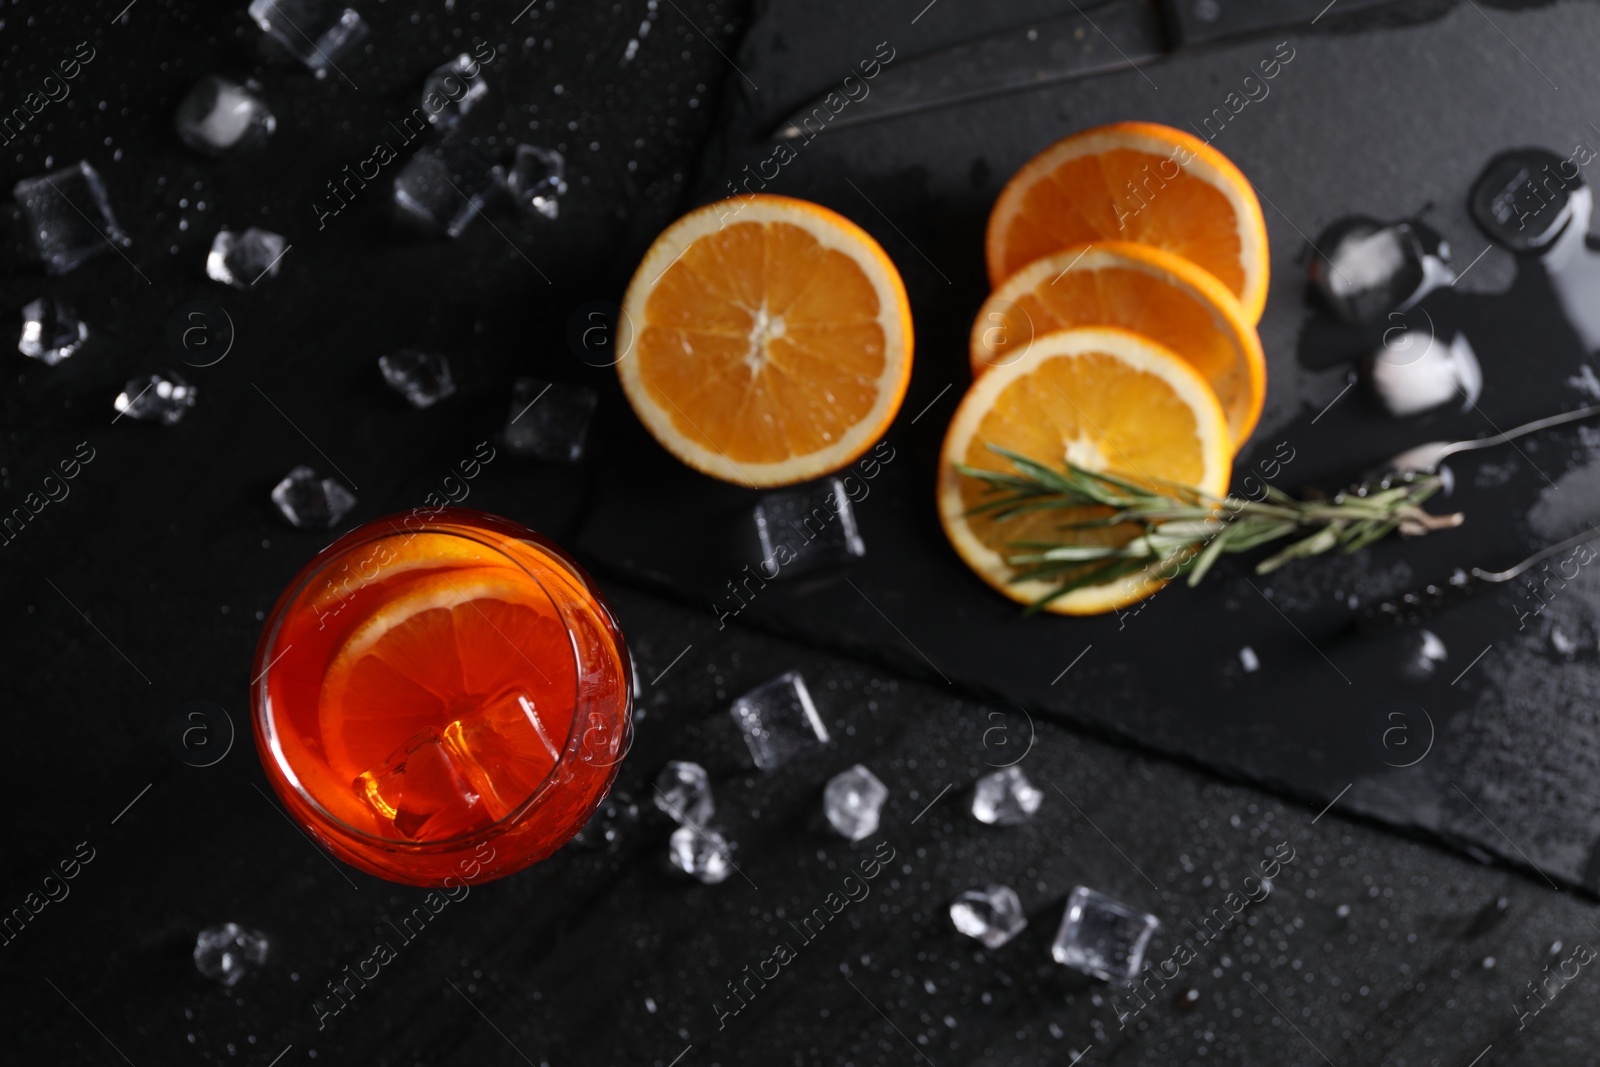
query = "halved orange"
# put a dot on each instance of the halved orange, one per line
(1141, 288)
(1141, 182)
(471, 656)
(765, 340)
(1107, 400)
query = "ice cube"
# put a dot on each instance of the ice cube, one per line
(1563, 643)
(1366, 269)
(992, 915)
(219, 117)
(1422, 653)
(779, 721)
(69, 217)
(229, 952)
(538, 180)
(549, 420)
(1524, 199)
(51, 331)
(423, 378)
(474, 771)
(423, 792)
(453, 90)
(701, 853)
(806, 528)
(1416, 372)
(446, 184)
(611, 821)
(163, 398)
(1102, 937)
(315, 32)
(852, 800)
(506, 749)
(310, 502)
(1005, 797)
(242, 259)
(683, 791)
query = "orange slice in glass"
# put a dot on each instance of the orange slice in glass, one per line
(470, 672)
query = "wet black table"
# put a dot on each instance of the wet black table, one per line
(144, 588)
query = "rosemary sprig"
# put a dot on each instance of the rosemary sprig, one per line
(1186, 529)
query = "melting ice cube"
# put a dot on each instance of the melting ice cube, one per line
(423, 378)
(992, 915)
(219, 116)
(310, 502)
(243, 259)
(1416, 372)
(453, 90)
(1102, 937)
(1524, 198)
(779, 721)
(163, 398)
(806, 528)
(51, 331)
(683, 791)
(1005, 797)
(549, 420)
(228, 952)
(315, 32)
(1366, 269)
(69, 217)
(852, 800)
(702, 853)
(446, 184)
(538, 180)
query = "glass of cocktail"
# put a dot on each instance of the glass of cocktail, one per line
(441, 695)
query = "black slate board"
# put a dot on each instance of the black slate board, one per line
(1390, 121)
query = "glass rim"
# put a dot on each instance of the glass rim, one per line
(263, 713)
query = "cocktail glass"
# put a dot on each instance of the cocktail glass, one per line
(441, 696)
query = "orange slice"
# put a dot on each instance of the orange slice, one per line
(1144, 289)
(765, 340)
(1104, 398)
(405, 553)
(1141, 182)
(456, 653)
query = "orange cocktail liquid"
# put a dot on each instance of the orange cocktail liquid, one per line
(442, 694)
